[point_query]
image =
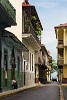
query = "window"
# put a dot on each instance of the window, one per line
(18, 66)
(60, 53)
(5, 65)
(26, 23)
(26, 66)
(32, 62)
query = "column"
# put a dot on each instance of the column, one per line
(64, 30)
(64, 43)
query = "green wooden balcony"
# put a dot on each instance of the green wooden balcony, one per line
(8, 12)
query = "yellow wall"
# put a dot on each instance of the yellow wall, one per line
(65, 72)
(65, 56)
(60, 35)
(65, 35)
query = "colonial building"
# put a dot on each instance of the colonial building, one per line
(49, 67)
(61, 36)
(11, 59)
(43, 65)
(32, 66)
(10, 48)
(31, 38)
(45, 68)
(8, 18)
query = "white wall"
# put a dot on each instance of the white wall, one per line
(17, 30)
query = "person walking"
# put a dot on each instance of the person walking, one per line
(14, 84)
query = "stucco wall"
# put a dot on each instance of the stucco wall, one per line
(17, 30)
(17, 53)
(65, 72)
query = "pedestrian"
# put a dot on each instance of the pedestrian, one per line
(14, 84)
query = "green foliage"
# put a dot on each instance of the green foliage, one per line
(27, 24)
(37, 29)
(34, 18)
(54, 66)
(36, 24)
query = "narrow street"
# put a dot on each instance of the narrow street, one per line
(44, 92)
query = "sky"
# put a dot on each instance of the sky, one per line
(51, 13)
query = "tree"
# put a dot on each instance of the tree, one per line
(54, 66)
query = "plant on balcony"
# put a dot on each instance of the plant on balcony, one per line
(38, 29)
(36, 25)
(27, 25)
(34, 18)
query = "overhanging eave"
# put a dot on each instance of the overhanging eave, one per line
(31, 41)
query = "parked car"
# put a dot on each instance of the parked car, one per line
(54, 79)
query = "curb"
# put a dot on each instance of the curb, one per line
(12, 92)
(61, 93)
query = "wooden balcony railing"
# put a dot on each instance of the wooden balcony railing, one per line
(60, 42)
(60, 62)
(29, 30)
(9, 8)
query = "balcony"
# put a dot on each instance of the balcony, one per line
(29, 33)
(60, 44)
(60, 61)
(31, 38)
(7, 14)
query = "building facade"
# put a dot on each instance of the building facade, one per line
(11, 60)
(46, 67)
(10, 48)
(7, 19)
(31, 40)
(21, 54)
(61, 36)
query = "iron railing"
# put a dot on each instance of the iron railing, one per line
(60, 61)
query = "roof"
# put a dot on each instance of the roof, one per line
(26, 4)
(61, 25)
(44, 48)
(32, 11)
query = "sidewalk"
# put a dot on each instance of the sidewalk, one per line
(61, 93)
(64, 91)
(12, 92)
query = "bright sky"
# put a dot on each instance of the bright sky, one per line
(51, 14)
